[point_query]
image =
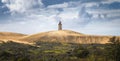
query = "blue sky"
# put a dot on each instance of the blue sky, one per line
(97, 17)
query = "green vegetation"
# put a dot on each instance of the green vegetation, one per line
(57, 51)
(113, 49)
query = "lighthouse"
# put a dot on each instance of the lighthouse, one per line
(60, 25)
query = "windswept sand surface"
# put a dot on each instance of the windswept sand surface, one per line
(55, 36)
(66, 36)
(10, 35)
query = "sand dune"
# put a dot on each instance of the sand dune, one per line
(56, 36)
(50, 34)
(66, 36)
(5, 36)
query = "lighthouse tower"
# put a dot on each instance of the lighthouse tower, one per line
(60, 25)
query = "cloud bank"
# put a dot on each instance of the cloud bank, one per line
(90, 17)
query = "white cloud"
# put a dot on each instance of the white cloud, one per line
(102, 13)
(91, 4)
(103, 28)
(37, 18)
(64, 5)
(69, 14)
(109, 1)
(21, 6)
(31, 24)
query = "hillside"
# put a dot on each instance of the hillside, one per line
(55, 36)
(66, 36)
(10, 36)
(50, 35)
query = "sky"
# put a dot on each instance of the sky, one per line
(96, 17)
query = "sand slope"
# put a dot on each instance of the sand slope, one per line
(56, 36)
(4, 36)
(66, 36)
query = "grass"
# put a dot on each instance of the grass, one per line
(49, 52)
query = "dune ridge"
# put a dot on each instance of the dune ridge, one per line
(67, 36)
